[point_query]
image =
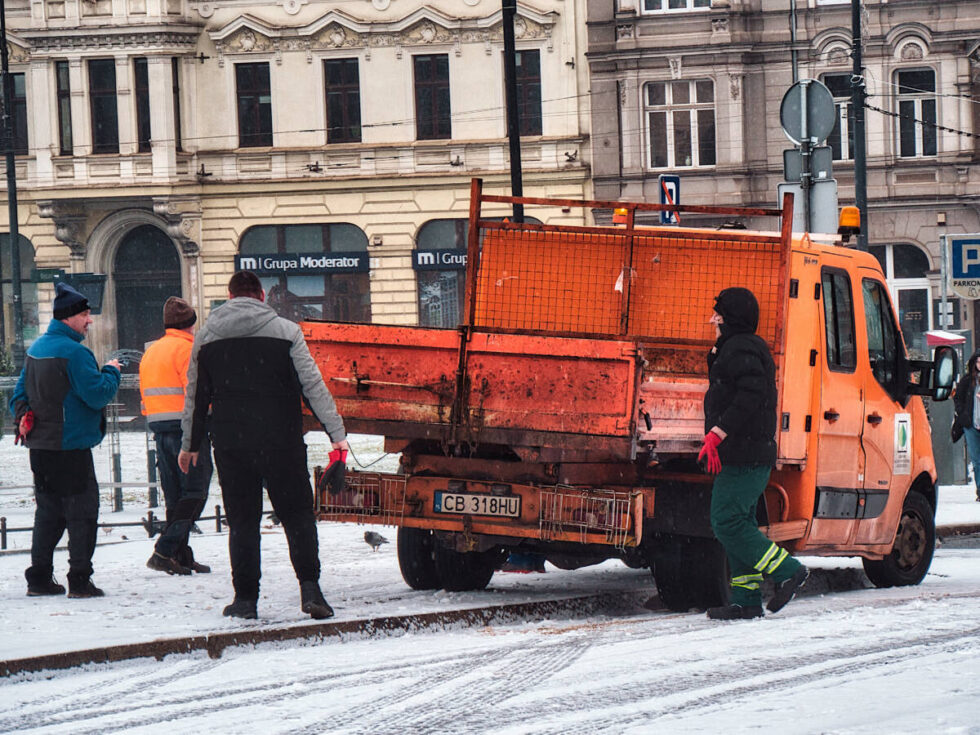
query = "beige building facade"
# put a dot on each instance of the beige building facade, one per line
(330, 145)
(693, 88)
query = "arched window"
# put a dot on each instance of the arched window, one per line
(906, 269)
(28, 292)
(300, 281)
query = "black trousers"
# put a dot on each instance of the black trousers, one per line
(67, 496)
(184, 495)
(241, 473)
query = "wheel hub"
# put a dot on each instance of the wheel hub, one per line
(910, 542)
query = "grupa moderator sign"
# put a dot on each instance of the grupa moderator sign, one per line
(964, 272)
(299, 264)
(439, 260)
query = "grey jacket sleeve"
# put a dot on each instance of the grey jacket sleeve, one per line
(314, 389)
(190, 397)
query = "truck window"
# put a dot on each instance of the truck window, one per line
(838, 312)
(884, 348)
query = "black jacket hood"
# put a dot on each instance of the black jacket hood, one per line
(740, 310)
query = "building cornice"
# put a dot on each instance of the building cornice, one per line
(169, 38)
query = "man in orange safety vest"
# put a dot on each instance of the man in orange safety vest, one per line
(163, 378)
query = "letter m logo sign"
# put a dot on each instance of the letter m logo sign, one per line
(247, 264)
(425, 258)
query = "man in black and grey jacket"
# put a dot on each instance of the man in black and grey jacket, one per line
(254, 370)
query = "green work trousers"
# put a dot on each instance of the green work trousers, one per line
(734, 498)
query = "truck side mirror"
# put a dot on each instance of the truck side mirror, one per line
(934, 378)
(943, 372)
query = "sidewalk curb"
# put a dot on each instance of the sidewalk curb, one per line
(957, 529)
(216, 643)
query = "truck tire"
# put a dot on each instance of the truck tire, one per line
(463, 571)
(690, 572)
(915, 543)
(415, 551)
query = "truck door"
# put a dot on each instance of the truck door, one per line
(840, 459)
(887, 432)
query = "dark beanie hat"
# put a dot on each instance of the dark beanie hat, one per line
(68, 301)
(740, 310)
(178, 314)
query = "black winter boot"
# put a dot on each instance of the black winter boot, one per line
(785, 591)
(78, 589)
(246, 609)
(186, 557)
(735, 612)
(162, 563)
(313, 602)
(40, 585)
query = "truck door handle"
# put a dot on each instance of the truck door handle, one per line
(874, 419)
(831, 416)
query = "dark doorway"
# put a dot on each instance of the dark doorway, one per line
(146, 272)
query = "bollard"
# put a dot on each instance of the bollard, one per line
(149, 523)
(117, 495)
(3, 532)
(217, 518)
(151, 473)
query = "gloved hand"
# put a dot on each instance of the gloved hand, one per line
(709, 453)
(24, 427)
(333, 479)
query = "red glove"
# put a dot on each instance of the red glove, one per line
(333, 479)
(709, 453)
(24, 427)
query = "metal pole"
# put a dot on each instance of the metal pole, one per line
(792, 40)
(943, 274)
(857, 107)
(509, 10)
(14, 232)
(805, 146)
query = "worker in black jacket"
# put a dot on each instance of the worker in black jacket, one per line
(740, 448)
(966, 418)
(254, 370)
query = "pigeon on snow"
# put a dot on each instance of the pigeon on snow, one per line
(374, 539)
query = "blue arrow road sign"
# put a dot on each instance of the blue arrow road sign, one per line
(670, 193)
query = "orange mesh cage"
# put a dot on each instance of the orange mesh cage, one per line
(659, 287)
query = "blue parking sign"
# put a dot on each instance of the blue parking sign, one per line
(964, 275)
(670, 193)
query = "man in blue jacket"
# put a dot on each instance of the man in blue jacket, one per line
(58, 411)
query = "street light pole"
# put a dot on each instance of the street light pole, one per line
(508, 11)
(14, 234)
(857, 107)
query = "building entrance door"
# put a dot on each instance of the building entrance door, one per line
(146, 272)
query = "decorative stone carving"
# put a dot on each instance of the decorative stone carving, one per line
(675, 67)
(719, 25)
(624, 32)
(735, 85)
(60, 42)
(381, 4)
(69, 218)
(912, 51)
(838, 56)
(183, 218)
(292, 7)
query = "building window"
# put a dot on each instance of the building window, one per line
(432, 115)
(338, 296)
(254, 105)
(681, 119)
(841, 138)
(65, 143)
(529, 92)
(141, 85)
(917, 112)
(660, 6)
(906, 267)
(28, 293)
(18, 113)
(102, 100)
(175, 73)
(343, 94)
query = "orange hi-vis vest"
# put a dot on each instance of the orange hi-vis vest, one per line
(163, 376)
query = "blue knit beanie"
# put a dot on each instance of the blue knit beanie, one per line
(68, 301)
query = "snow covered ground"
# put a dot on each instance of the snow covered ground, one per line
(866, 661)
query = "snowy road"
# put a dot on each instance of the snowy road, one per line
(869, 661)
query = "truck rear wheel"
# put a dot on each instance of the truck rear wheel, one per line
(915, 543)
(690, 571)
(415, 552)
(463, 571)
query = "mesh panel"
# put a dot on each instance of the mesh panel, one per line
(580, 282)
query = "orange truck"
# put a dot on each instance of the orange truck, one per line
(564, 416)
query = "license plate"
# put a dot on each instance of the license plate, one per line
(508, 506)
